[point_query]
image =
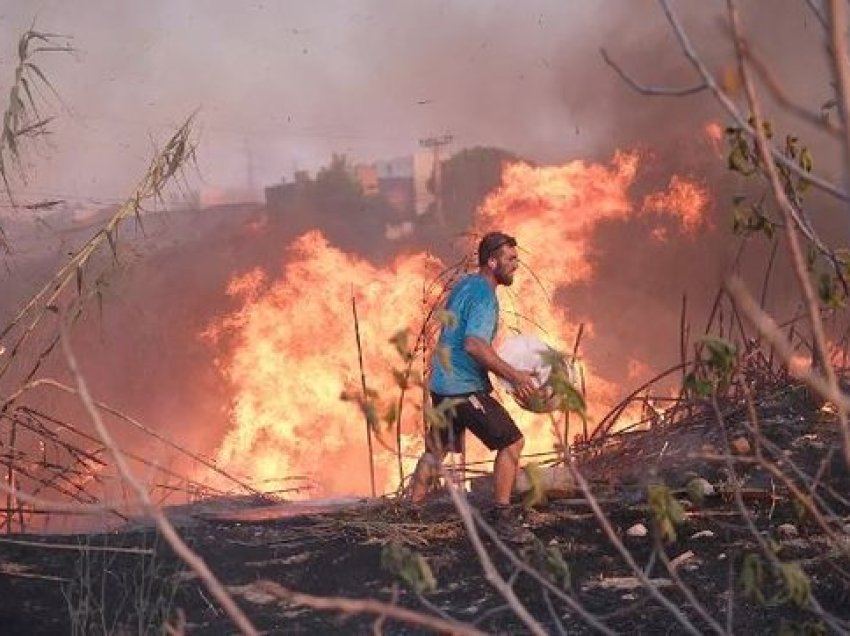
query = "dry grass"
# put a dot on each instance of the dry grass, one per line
(23, 119)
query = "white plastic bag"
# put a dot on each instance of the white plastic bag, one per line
(528, 353)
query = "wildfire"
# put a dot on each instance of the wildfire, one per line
(291, 347)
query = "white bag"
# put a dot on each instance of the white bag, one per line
(528, 353)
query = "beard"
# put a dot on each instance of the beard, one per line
(504, 278)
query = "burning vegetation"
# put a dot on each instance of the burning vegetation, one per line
(291, 339)
(692, 474)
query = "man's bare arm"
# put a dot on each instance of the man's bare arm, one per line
(486, 356)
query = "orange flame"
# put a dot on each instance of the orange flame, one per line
(714, 134)
(293, 346)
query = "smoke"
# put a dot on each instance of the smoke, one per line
(282, 86)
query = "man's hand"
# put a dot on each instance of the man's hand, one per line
(523, 383)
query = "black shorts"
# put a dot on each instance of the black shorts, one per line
(480, 413)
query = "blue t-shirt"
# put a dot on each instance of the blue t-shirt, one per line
(476, 309)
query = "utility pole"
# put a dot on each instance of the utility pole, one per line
(436, 144)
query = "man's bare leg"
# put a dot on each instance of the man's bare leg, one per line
(505, 471)
(427, 468)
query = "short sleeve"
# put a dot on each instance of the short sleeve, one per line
(481, 321)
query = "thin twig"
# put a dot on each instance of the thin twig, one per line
(490, 572)
(794, 247)
(837, 19)
(54, 506)
(741, 121)
(168, 532)
(365, 396)
(605, 524)
(78, 546)
(365, 606)
(779, 94)
(651, 90)
(207, 463)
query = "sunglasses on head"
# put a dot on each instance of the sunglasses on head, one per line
(500, 245)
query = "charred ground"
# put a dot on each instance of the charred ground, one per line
(48, 590)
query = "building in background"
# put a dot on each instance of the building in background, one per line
(423, 173)
(403, 186)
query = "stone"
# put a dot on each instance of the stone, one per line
(682, 558)
(699, 488)
(637, 530)
(703, 534)
(557, 482)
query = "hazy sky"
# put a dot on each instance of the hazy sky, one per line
(282, 84)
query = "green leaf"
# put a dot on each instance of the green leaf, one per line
(401, 379)
(666, 510)
(536, 495)
(444, 356)
(797, 585)
(370, 410)
(410, 566)
(435, 417)
(695, 490)
(806, 161)
(446, 318)
(752, 578)
(737, 162)
(400, 342)
(391, 415)
(698, 386)
(549, 561)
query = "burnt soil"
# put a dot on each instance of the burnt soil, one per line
(47, 590)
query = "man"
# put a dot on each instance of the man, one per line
(466, 346)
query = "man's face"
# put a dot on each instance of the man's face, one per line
(506, 263)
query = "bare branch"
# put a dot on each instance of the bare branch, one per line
(779, 94)
(168, 532)
(794, 247)
(741, 121)
(207, 463)
(651, 90)
(490, 572)
(605, 524)
(771, 332)
(79, 546)
(818, 13)
(522, 566)
(837, 11)
(683, 587)
(766, 549)
(54, 506)
(366, 606)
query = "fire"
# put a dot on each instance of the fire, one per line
(685, 199)
(714, 134)
(292, 351)
(294, 355)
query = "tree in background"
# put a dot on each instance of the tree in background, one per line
(467, 178)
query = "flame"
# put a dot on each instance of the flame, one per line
(684, 199)
(295, 355)
(714, 133)
(291, 348)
